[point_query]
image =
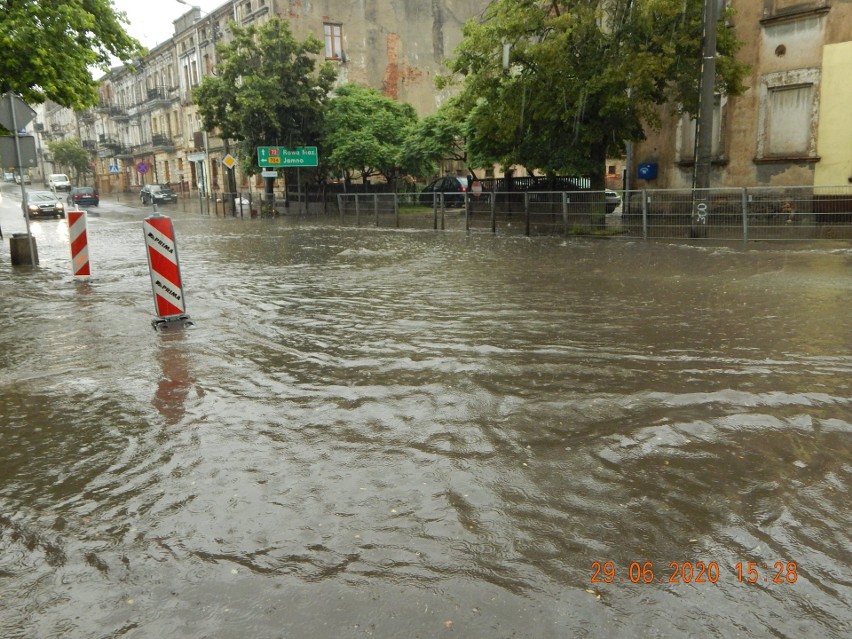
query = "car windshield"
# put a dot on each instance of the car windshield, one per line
(86, 190)
(154, 188)
(59, 177)
(42, 196)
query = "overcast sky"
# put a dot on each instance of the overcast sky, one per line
(151, 20)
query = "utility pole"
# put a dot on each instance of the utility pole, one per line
(704, 125)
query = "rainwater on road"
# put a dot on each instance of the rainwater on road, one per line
(399, 434)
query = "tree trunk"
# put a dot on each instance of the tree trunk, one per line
(597, 179)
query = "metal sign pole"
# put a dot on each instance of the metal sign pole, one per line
(18, 163)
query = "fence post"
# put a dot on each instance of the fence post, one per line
(644, 215)
(435, 210)
(466, 212)
(376, 207)
(745, 215)
(526, 213)
(565, 201)
(340, 205)
(443, 210)
(357, 210)
(396, 209)
(494, 212)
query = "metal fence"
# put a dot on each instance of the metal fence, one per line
(756, 213)
(746, 214)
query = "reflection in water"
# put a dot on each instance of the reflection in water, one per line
(400, 434)
(176, 380)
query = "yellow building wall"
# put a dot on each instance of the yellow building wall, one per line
(834, 140)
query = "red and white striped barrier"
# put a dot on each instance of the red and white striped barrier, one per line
(164, 268)
(79, 243)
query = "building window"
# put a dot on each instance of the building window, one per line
(333, 40)
(688, 126)
(787, 114)
(789, 120)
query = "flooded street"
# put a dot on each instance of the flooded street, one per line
(400, 434)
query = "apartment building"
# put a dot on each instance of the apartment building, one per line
(147, 129)
(792, 126)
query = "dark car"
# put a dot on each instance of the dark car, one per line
(157, 194)
(44, 204)
(452, 186)
(83, 196)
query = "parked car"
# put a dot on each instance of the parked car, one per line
(452, 186)
(44, 204)
(8, 176)
(613, 200)
(59, 182)
(157, 194)
(83, 196)
(27, 179)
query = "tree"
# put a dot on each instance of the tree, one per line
(365, 131)
(267, 90)
(70, 153)
(582, 77)
(49, 48)
(436, 137)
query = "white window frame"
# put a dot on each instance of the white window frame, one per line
(786, 80)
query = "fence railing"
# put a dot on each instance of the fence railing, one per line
(756, 213)
(746, 214)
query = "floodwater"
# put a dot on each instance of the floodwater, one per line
(400, 434)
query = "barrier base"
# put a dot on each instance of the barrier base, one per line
(172, 323)
(19, 249)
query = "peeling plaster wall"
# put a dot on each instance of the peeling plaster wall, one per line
(395, 46)
(786, 44)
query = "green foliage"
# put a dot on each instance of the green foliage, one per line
(268, 90)
(70, 153)
(365, 132)
(49, 47)
(583, 76)
(433, 138)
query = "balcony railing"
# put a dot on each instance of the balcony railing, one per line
(162, 142)
(159, 97)
(112, 110)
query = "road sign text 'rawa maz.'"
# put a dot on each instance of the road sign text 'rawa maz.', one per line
(279, 156)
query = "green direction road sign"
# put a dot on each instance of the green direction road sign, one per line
(280, 156)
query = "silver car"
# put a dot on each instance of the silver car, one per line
(613, 200)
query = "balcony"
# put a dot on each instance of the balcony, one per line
(112, 110)
(160, 142)
(107, 146)
(160, 97)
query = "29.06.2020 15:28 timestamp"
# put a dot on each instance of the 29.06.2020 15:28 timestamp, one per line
(781, 572)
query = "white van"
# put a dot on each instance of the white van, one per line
(59, 182)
